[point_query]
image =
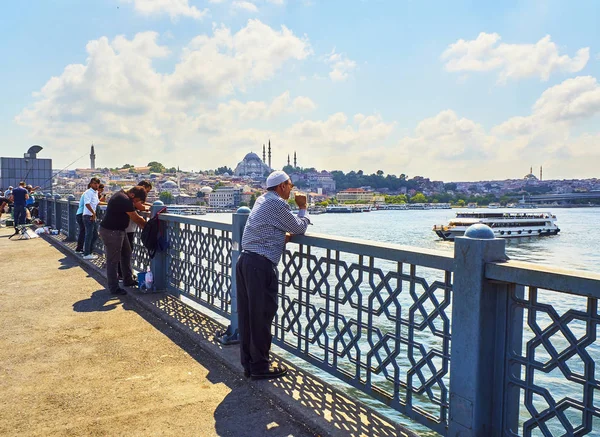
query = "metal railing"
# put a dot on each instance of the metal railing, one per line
(467, 345)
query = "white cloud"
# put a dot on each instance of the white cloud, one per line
(572, 100)
(218, 65)
(304, 104)
(119, 99)
(341, 66)
(244, 5)
(513, 61)
(454, 148)
(174, 8)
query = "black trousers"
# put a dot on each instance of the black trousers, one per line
(81, 236)
(130, 236)
(256, 279)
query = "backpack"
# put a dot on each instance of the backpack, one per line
(153, 235)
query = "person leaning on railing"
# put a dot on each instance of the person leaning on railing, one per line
(119, 210)
(131, 228)
(263, 242)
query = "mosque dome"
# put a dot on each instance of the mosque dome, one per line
(169, 184)
(206, 190)
(251, 156)
(251, 166)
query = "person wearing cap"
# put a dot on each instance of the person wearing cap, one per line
(263, 242)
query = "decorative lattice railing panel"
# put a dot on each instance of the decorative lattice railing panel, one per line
(199, 262)
(556, 368)
(383, 326)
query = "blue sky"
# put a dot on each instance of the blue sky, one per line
(447, 90)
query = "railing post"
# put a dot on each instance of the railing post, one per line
(240, 217)
(72, 235)
(475, 320)
(158, 264)
(56, 221)
(49, 207)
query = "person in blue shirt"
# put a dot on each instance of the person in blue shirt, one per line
(20, 196)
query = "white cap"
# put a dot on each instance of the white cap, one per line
(276, 178)
(10, 188)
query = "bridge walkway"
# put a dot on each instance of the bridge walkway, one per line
(75, 360)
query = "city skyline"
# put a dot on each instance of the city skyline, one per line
(454, 92)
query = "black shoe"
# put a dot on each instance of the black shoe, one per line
(119, 291)
(247, 374)
(272, 373)
(131, 283)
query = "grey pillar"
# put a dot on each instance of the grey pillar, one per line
(56, 219)
(158, 264)
(49, 209)
(476, 312)
(72, 235)
(240, 217)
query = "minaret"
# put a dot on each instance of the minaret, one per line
(92, 159)
(295, 159)
(530, 170)
(540, 172)
(288, 159)
(270, 154)
(264, 154)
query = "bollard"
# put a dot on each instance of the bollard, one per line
(478, 313)
(158, 264)
(231, 335)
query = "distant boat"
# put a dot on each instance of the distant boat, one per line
(336, 209)
(494, 205)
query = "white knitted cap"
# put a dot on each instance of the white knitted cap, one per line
(276, 178)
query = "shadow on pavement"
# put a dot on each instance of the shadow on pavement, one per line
(244, 411)
(100, 300)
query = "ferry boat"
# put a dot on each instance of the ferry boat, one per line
(494, 205)
(335, 209)
(512, 224)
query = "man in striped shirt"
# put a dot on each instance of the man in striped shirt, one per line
(263, 243)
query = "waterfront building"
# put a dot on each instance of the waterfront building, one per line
(225, 197)
(355, 194)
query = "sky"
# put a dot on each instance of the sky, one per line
(449, 90)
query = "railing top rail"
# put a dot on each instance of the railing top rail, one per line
(186, 219)
(392, 252)
(576, 282)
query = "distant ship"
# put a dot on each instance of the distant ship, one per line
(512, 224)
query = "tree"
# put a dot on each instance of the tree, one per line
(223, 170)
(156, 167)
(171, 170)
(289, 169)
(127, 166)
(252, 200)
(418, 198)
(166, 197)
(379, 172)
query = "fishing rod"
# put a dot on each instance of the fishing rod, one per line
(59, 172)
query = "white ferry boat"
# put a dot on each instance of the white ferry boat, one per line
(512, 224)
(336, 209)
